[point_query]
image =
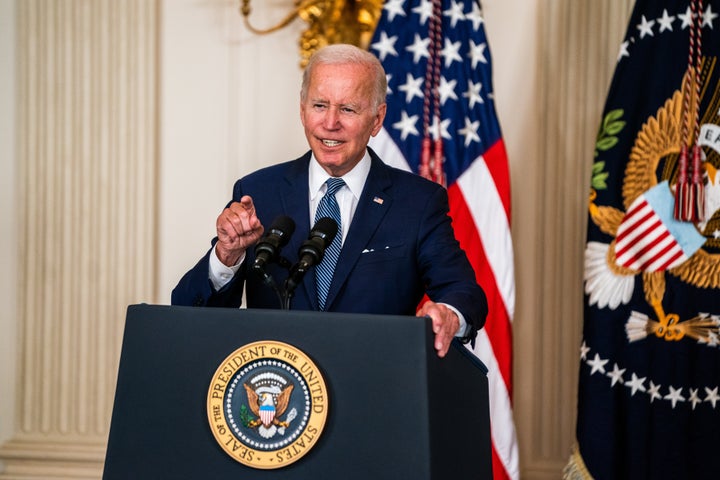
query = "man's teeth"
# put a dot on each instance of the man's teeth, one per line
(331, 143)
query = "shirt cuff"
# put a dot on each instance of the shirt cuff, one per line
(220, 274)
(462, 329)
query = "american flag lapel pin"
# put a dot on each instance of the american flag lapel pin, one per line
(378, 200)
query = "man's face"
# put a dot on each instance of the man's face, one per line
(339, 117)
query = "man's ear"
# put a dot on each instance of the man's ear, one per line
(379, 118)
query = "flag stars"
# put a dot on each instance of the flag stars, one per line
(597, 364)
(393, 8)
(475, 16)
(674, 396)
(419, 48)
(654, 392)
(636, 384)
(623, 50)
(712, 396)
(694, 399)
(686, 18)
(645, 27)
(447, 90)
(473, 93)
(425, 10)
(708, 17)
(451, 52)
(406, 125)
(665, 21)
(440, 129)
(455, 12)
(616, 376)
(385, 46)
(470, 132)
(411, 87)
(476, 53)
(584, 350)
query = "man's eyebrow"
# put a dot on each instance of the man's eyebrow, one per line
(353, 106)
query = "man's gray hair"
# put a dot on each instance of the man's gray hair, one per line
(341, 53)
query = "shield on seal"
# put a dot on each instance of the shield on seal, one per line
(267, 413)
(650, 239)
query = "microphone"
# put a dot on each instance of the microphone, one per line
(321, 236)
(312, 250)
(268, 248)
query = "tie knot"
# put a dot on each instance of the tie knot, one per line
(333, 185)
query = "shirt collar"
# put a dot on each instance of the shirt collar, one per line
(354, 179)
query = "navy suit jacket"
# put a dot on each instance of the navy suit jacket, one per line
(400, 246)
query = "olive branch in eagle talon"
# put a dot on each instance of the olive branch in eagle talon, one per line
(607, 138)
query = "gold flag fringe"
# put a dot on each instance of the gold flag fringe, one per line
(575, 468)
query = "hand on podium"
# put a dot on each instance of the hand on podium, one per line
(445, 324)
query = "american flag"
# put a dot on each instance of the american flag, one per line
(437, 60)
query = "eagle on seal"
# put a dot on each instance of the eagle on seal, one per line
(268, 406)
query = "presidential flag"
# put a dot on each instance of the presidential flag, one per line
(649, 385)
(441, 123)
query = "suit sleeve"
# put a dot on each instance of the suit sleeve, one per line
(195, 288)
(447, 273)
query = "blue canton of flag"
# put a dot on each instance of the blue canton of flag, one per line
(648, 398)
(440, 91)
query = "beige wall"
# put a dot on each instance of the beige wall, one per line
(229, 104)
(8, 221)
(213, 102)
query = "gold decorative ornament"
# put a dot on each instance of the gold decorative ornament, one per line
(329, 22)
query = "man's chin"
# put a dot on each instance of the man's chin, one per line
(330, 160)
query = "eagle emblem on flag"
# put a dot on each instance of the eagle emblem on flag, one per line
(648, 241)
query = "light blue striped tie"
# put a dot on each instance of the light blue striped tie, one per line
(328, 207)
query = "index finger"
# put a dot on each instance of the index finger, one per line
(247, 202)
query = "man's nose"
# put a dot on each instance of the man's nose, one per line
(332, 117)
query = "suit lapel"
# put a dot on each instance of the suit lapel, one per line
(374, 203)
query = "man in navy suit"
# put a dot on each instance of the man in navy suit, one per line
(398, 244)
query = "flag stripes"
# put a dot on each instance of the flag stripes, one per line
(475, 167)
(643, 242)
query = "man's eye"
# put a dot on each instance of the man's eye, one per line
(348, 110)
(319, 106)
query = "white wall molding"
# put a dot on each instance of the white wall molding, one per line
(87, 174)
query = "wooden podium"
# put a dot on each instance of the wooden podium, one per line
(394, 409)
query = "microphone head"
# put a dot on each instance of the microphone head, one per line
(267, 250)
(326, 228)
(283, 226)
(321, 236)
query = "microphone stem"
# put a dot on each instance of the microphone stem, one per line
(270, 282)
(286, 300)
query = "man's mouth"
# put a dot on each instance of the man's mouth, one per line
(331, 143)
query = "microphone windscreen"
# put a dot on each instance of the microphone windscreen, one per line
(326, 228)
(284, 227)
